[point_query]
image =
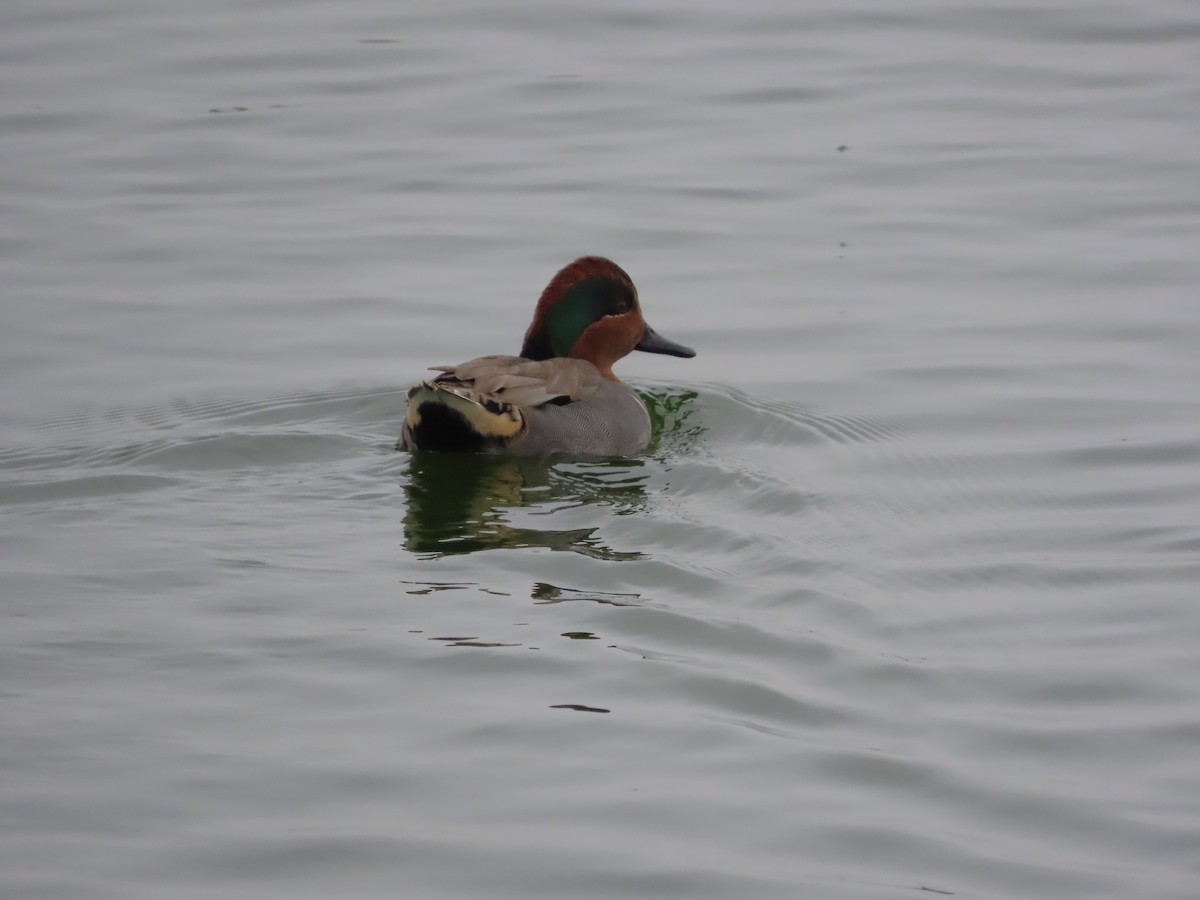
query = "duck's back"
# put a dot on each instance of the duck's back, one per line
(507, 404)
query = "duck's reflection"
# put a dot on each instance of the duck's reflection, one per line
(464, 502)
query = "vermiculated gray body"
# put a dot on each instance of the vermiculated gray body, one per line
(613, 423)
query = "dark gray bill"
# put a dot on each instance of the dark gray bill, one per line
(653, 342)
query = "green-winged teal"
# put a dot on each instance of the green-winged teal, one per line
(560, 395)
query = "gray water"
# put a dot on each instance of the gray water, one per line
(902, 602)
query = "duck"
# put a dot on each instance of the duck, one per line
(559, 395)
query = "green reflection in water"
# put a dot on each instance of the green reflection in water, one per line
(676, 427)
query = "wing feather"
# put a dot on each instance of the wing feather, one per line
(522, 382)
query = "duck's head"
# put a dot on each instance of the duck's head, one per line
(590, 310)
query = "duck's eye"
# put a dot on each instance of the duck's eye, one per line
(621, 306)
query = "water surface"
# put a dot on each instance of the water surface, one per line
(900, 603)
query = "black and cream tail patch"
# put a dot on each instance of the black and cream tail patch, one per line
(452, 416)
